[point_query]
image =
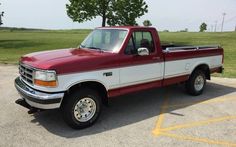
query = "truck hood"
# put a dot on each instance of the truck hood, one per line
(68, 60)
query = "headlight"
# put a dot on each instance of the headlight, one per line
(45, 78)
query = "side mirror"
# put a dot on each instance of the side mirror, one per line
(143, 52)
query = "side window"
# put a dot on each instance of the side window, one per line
(139, 40)
(130, 48)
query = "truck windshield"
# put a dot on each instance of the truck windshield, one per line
(105, 39)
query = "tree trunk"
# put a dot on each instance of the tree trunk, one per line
(103, 25)
(103, 21)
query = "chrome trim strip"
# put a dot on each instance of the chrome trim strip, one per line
(30, 94)
(39, 95)
(192, 48)
(25, 69)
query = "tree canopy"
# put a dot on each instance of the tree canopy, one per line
(113, 12)
(147, 23)
(203, 27)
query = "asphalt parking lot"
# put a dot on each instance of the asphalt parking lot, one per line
(160, 117)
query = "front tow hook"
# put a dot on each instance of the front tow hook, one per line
(23, 103)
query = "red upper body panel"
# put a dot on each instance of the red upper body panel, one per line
(70, 60)
(66, 61)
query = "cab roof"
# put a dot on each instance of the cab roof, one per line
(125, 27)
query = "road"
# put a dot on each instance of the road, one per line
(160, 117)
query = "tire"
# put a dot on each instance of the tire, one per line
(81, 108)
(196, 83)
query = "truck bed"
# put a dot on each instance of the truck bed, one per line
(181, 61)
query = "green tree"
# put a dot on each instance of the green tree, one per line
(203, 27)
(125, 12)
(147, 23)
(113, 12)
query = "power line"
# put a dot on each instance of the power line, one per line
(1, 15)
(212, 28)
(230, 19)
(215, 26)
(224, 21)
(222, 26)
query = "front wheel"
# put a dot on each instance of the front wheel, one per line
(81, 108)
(196, 83)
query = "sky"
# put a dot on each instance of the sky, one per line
(172, 15)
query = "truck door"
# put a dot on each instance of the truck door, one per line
(141, 69)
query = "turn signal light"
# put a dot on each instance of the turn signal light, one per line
(45, 83)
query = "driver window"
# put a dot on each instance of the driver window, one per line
(130, 49)
(140, 40)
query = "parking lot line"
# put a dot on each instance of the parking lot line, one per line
(217, 100)
(198, 123)
(204, 140)
(160, 120)
(159, 131)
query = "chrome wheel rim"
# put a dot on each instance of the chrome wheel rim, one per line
(85, 109)
(199, 83)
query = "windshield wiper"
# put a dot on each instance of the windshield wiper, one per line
(91, 47)
(82, 46)
(96, 48)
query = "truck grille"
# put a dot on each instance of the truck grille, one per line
(26, 73)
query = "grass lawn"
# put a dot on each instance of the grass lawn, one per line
(19, 42)
(15, 43)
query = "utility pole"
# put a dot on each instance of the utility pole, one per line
(222, 26)
(215, 26)
(1, 15)
(212, 28)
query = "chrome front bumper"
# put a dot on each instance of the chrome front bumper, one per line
(37, 99)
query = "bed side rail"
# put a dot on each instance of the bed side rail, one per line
(184, 48)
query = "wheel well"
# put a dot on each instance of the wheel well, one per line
(205, 68)
(100, 88)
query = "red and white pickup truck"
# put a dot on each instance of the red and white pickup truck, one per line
(111, 61)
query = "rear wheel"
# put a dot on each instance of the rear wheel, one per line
(196, 83)
(81, 108)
